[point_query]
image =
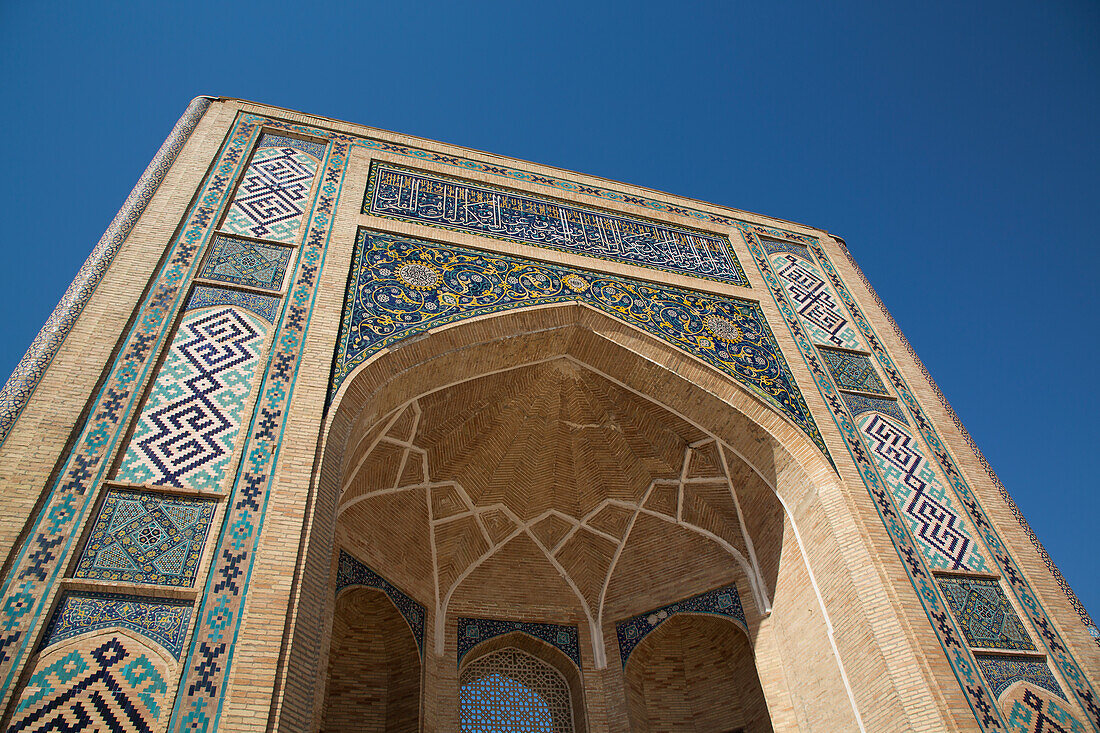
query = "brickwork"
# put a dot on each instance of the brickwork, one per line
(517, 416)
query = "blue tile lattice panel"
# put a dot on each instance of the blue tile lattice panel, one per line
(473, 631)
(401, 287)
(147, 538)
(351, 572)
(853, 371)
(452, 203)
(188, 428)
(1001, 672)
(724, 602)
(163, 621)
(987, 619)
(241, 262)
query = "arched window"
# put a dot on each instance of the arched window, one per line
(509, 691)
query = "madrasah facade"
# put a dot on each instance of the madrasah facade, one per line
(340, 429)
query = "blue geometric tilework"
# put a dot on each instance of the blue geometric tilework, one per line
(147, 538)
(242, 262)
(265, 306)
(813, 298)
(313, 149)
(187, 430)
(853, 371)
(1000, 672)
(271, 199)
(940, 531)
(860, 404)
(984, 613)
(722, 602)
(1033, 714)
(112, 688)
(473, 631)
(459, 205)
(353, 572)
(161, 620)
(400, 287)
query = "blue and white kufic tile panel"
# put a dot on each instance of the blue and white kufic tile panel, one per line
(147, 538)
(723, 602)
(351, 572)
(1030, 713)
(163, 621)
(270, 202)
(473, 631)
(401, 287)
(188, 428)
(460, 205)
(241, 262)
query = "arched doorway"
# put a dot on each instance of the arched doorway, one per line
(695, 673)
(373, 680)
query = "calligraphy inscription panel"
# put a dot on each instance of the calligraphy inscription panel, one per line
(450, 203)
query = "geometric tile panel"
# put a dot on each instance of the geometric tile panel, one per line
(860, 404)
(265, 306)
(352, 572)
(271, 199)
(460, 205)
(853, 371)
(241, 262)
(473, 631)
(941, 532)
(114, 687)
(145, 538)
(1033, 714)
(984, 613)
(401, 287)
(1000, 672)
(719, 602)
(162, 621)
(813, 299)
(188, 427)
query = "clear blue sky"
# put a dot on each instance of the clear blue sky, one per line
(954, 146)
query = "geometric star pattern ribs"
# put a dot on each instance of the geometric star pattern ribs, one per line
(550, 454)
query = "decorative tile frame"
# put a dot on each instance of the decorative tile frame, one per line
(147, 538)
(445, 202)
(351, 572)
(401, 287)
(473, 631)
(160, 620)
(723, 602)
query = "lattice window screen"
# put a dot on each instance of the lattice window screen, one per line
(509, 691)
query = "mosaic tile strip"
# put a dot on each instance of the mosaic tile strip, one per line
(352, 572)
(36, 564)
(1002, 671)
(400, 287)
(941, 531)
(265, 306)
(984, 613)
(1048, 561)
(853, 371)
(162, 621)
(860, 404)
(114, 687)
(188, 427)
(461, 205)
(209, 661)
(473, 631)
(270, 201)
(313, 149)
(28, 372)
(1032, 714)
(147, 538)
(241, 262)
(813, 298)
(724, 602)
